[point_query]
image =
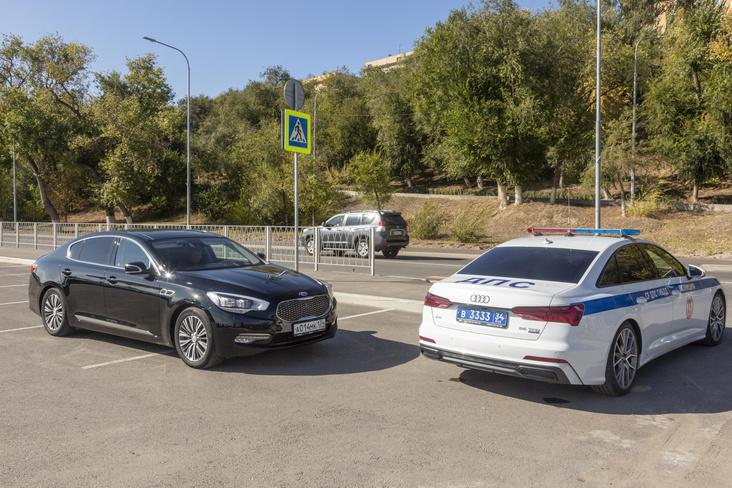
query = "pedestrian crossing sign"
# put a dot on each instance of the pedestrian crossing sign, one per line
(297, 131)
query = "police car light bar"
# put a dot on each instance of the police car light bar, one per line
(582, 231)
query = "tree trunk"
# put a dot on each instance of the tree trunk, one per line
(622, 196)
(561, 177)
(555, 182)
(466, 182)
(125, 212)
(695, 193)
(502, 201)
(479, 182)
(605, 194)
(519, 192)
(408, 181)
(109, 216)
(378, 200)
(43, 191)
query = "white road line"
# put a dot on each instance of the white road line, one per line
(14, 274)
(12, 286)
(365, 314)
(21, 328)
(13, 303)
(117, 361)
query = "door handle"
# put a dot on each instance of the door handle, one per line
(112, 279)
(641, 300)
(66, 272)
(676, 292)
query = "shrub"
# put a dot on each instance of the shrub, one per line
(426, 222)
(652, 205)
(468, 226)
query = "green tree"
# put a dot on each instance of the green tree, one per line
(371, 176)
(688, 115)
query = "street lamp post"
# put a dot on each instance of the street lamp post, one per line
(15, 201)
(598, 174)
(188, 130)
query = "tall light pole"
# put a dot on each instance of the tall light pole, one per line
(598, 173)
(188, 130)
(15, 201)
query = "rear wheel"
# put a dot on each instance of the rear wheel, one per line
(194, 339)
(55, 314)
(717, 321)
(390, 253)
(622, 362)
(362, 248)
(310, 246)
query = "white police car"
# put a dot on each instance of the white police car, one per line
(571, 306)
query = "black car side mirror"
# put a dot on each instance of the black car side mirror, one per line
(136, 268)
(262, 256)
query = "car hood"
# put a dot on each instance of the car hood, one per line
(262, 281)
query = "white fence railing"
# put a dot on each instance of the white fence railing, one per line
(319, 246)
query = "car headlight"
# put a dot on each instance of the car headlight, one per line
(236, 303)
(328, 286)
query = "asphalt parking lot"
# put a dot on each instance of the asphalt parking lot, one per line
(363, 409)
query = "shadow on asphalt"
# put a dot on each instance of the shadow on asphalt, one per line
(693, 379)
(348, 352)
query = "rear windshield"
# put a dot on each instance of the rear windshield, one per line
(533, 263)
(394, 219)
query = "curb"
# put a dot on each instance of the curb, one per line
(8, 259)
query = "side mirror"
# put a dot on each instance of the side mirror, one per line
(262, 256)
(695, 271)
(136, 268)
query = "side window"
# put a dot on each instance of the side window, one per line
(353, 219)
(75, 250)
(129, 252)
(334, 221)
(610, 275)
(666, 265)
(368, 218)
(633, 265)
(97, 250)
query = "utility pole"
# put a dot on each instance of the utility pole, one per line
(15, 197)
(598, 172)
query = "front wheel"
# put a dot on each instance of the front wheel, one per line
(622, 362)
(310, 246)
(717, 321)
(194, 339)
(55, 314)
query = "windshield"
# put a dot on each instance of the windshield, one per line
(533, 263)
(202, 253)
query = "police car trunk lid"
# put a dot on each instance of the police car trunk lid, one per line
(503, 294)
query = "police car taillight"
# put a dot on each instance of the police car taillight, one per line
(435, 301)
(571, 314)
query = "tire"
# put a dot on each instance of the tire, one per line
(55, 314)
(390, 253)
(716, 322)
(622, 362)
(194, 339)
(310, 246)
(362, 248)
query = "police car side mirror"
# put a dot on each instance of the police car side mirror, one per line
(695, 271)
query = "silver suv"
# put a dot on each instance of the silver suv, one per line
(350, 232)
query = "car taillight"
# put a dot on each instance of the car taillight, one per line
(571, 314)
(34, 267)
(435, 301)
(381, 223)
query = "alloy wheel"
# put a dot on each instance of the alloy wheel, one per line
(193, 338)
(625, 358)
(363, 248)
(310, 246)
(53, 312)
(717, 318)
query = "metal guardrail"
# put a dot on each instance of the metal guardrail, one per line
(328, 247)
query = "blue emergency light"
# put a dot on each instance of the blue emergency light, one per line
(583, 231)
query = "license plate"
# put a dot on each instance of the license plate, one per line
(397, 232)
(481, 316)
(304, 328)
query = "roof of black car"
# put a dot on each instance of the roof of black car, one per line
(155, 235)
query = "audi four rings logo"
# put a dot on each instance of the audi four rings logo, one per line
(480, 298)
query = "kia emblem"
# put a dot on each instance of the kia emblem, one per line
(303, 293)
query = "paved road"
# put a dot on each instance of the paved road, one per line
(363, 409)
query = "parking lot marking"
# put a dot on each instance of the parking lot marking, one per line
(365, 314)
(13, 303)
(21, 328)
(117, 361)
(12, 286)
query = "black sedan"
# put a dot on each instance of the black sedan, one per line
(201, 293)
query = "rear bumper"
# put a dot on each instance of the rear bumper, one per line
(549, 374)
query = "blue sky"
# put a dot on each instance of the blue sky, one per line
(231, 42)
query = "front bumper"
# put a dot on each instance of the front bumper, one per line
(271, 333)
(549, 374)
